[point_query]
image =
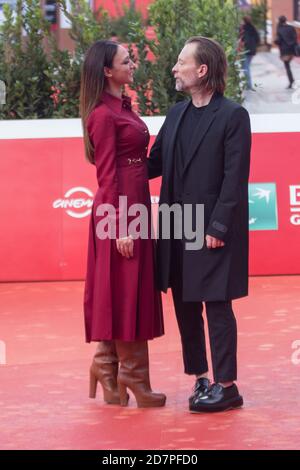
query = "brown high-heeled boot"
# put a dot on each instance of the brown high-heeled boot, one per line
(134, 374)
(104, 369)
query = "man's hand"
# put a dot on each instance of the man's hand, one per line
(125, 246)
(212, 242)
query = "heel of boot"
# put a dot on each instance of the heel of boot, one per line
(150, 400)
(93, 385)
(124, 397)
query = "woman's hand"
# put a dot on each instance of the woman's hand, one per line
(125, 246)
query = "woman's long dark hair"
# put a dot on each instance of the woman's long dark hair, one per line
(101, 54)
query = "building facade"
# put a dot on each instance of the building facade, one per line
(288, 8)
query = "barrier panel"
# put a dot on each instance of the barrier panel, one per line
(47, 189)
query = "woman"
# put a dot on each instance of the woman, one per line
(121, 304)
(287, 42)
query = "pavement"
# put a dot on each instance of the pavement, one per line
(44, 377)
(270, 82)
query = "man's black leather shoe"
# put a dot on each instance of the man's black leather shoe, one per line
(200, 388)
(217, 398)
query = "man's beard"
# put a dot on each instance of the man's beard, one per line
(184, 86)
(178, 85)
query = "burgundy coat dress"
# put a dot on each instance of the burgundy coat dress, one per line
(121, 301)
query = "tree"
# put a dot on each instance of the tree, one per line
(259, 16)
(126, 15)
(65, 67)
(43, 81)
(173, 22)
(24, 65)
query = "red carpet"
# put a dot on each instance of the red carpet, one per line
(44, 383)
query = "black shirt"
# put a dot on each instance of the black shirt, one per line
(184, 138)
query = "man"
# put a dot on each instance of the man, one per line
(250, 40)
(203, 152)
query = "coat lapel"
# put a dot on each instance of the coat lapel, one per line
(171, 149)
(202, 127)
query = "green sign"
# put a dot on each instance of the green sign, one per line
(263, 206)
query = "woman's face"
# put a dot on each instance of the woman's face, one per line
(123, 68)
